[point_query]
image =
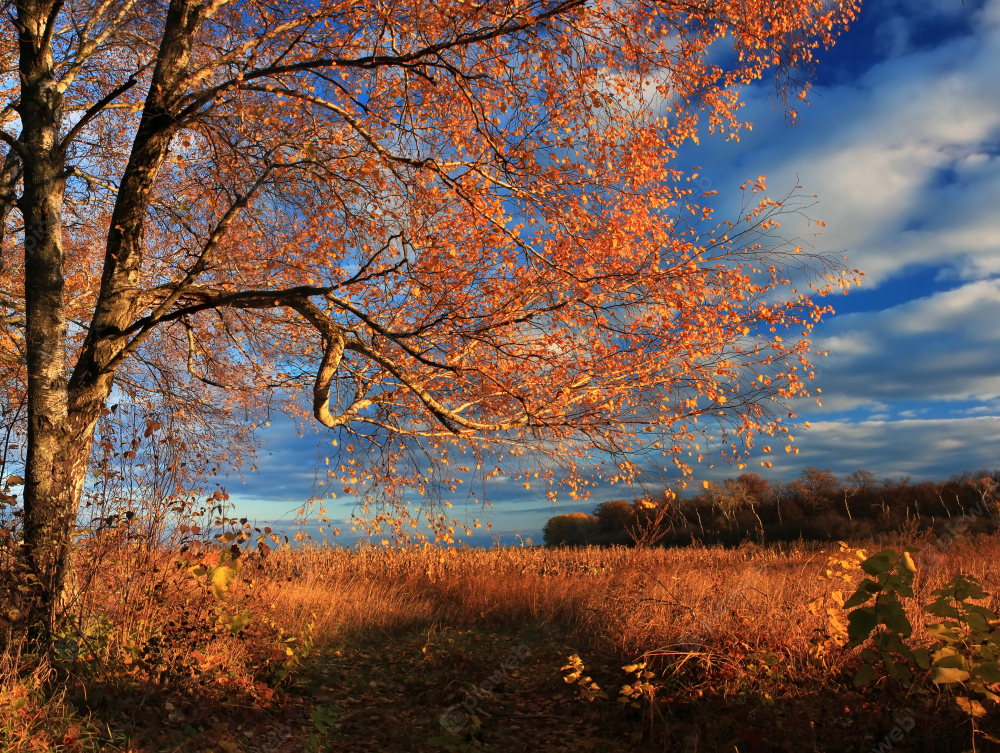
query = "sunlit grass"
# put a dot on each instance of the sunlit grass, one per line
(702, 617)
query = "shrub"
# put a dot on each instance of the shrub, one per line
(574, 529)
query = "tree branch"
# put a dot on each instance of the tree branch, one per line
(92, 112)
(190, 360)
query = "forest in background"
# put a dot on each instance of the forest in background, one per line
(816, 506)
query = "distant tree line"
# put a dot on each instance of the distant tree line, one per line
(816, 506)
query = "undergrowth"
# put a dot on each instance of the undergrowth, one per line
(188, 628)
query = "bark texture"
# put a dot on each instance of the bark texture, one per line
(56, 459)
(64, 408)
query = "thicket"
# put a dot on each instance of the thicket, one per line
(816, 506)
(170, 593)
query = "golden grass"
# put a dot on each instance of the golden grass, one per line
(705, 612)
(651, 601)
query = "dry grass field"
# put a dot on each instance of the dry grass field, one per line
(375, 649)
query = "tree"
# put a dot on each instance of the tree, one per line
(817, 488)
(861, 480)
(615, 515)
(858, 482)
(574, 529)
(456, 225)
(748, 491)
(755, 486)
(652, 519)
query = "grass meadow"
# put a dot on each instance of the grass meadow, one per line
(517, 649)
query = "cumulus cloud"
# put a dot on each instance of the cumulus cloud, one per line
(903, 157)
(901, 145)
(940, 348)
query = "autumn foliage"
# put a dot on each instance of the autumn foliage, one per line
(454, 229)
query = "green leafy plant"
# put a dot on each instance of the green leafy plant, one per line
(323, 718)
(968, 643)
(292, 650)
(589, 690)
(878, 621)
(966, 651)
(842, 566)
(640, 689)
(764, 664)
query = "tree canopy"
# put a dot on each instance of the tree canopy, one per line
(456, 228)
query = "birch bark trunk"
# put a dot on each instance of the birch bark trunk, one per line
(57, 447)
(63, 410)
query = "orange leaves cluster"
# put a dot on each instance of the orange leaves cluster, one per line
(468, 213)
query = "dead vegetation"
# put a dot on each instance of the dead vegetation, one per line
(727, 625)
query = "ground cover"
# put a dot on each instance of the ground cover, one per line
(469, 649)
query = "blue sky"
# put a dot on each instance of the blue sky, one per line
(901, 147)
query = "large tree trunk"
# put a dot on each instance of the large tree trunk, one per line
(63, 412)
(58, 448)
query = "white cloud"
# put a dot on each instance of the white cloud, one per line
(903, 159)
(942, 347)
